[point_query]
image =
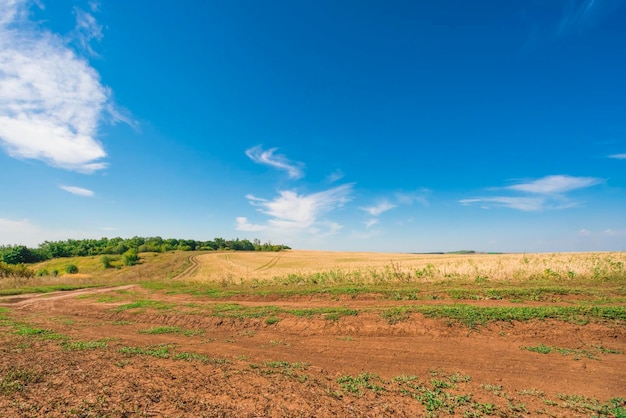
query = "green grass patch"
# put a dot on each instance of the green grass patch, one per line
(591, 353)
(356, 384)
(85, 345)
(44, 334)
(145, 304)
(172, 330)
(473, 316)
(158, 351)
(14, 380)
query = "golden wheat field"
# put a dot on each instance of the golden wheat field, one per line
(238, 267)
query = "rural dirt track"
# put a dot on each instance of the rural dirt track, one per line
(250, 367)
(189, 271)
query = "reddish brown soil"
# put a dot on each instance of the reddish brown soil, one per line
(241, 376)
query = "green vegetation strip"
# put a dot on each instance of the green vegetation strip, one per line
(473, 316)
(591, 353)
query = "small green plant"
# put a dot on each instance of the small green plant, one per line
(356, 384)
(272, 320)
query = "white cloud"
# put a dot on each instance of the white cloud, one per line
(244, 225)
(542, 194)
(381, 207)
(370, 223)
(528, 204)
(618, 156)
(79, 191)
(51, 100)
(556, 184)
(280, 162)
(292, 211)
(584, 232)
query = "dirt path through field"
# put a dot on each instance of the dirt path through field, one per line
(493, 356)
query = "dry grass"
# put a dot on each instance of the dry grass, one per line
(91, 272)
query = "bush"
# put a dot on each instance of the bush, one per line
(17, 270)
(106, 262)
(130, 258)
(71, 269)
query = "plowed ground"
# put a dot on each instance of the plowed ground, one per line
(88, 353)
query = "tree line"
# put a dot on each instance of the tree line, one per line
(20, 254)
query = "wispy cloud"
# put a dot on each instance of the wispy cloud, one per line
(293, 211)
(528, 204)
(87, 29)
(371, 222)
(268, 157)
(555, 184)
(51, 99)
(579, 15)
(618, 156)
(541, 194)
(79, 191)
(379, 208)
(335, 176)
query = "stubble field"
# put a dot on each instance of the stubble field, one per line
(301, 333)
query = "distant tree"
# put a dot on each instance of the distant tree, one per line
(18, 254)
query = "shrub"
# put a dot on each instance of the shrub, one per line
(106, 262)
(130, 258)
(71, 269)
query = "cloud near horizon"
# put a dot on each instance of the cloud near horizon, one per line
(293, 211)
(541, 194)
(268, 157)
(51, 99)
(78, 191)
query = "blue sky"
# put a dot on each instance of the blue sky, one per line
(332, 125)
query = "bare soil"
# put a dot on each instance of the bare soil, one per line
(298, 366)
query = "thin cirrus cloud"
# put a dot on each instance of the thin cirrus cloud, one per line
(51, 99)
(618, 156)
(381, 207)
(268, 157)
(556, 184)
(541, 194)
(78, 191)
(293, 211)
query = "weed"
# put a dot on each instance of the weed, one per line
(356, 384)
(395, 315)
(272, 320)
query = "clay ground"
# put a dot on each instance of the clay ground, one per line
(90, 353)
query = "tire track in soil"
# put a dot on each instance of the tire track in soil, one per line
(269, 264)
(189, 271)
